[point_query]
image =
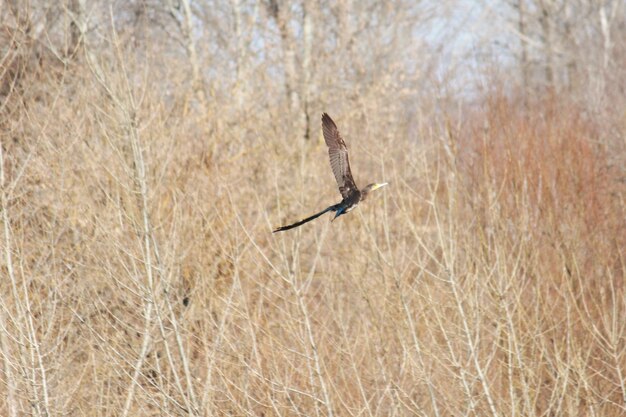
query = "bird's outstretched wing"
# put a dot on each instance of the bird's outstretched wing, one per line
(338, 154)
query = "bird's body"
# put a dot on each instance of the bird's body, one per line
(340, 165)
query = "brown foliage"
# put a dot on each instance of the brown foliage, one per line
(141, 277)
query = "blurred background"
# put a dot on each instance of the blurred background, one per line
(149, 148)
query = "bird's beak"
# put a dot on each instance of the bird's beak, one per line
(377, 186)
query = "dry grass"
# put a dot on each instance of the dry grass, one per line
(141, 277)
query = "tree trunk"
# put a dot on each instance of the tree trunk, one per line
(546, 31)
(524, 52)
(306, 68)
(196, 74)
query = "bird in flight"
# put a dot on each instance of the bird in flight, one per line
(339, 163)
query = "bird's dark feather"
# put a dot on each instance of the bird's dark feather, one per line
(338, 154)
(308, 219)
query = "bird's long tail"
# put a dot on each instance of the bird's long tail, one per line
(308, 219)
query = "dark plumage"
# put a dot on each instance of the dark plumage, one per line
(340, 165)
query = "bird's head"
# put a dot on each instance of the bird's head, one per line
(371, 187)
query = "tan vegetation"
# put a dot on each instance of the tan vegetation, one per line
(148, 150)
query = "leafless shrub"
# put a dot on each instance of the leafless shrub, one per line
(148, 149)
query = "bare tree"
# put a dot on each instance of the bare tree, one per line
(138, 272)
